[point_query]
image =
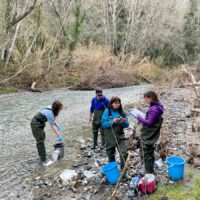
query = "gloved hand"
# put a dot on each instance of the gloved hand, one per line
(59, 127)
(59, 138)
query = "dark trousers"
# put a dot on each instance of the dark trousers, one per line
(147, 153)
(39, 136)
(95, 130)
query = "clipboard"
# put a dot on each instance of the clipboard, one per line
(134, 112)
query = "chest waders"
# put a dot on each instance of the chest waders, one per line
(37, 126)
(149, 136)
(96, 126)
(115, 138)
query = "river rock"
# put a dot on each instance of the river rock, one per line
(73, 183)
(83, 146)
(88, 174)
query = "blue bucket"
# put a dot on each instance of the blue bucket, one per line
(111, 171)
(175, 167)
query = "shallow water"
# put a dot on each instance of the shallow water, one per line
(19, 161)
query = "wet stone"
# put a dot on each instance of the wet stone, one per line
(83, 146)
(87, 168)
(39, 183)
(76, 165)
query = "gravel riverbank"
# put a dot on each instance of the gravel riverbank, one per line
(179, 136)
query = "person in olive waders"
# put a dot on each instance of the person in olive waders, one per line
(150, 131)
(114, 121)
(98, 105)
(38, 124)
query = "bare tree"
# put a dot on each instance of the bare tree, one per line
(13, 20)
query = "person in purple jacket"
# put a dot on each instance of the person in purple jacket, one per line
(150, 131)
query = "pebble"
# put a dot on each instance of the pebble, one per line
(74, 189)
(38, 178)
(83, 146)
(73, 183)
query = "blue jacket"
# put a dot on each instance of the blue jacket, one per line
(107, 119)
(48, 113)
(97, 104)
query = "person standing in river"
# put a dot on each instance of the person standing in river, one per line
(150, 131)
(114, 121)
(38, 124)
(98, 105)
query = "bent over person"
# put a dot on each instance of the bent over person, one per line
(98, 105)
(38, 124)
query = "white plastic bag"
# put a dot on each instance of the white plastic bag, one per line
(68, 174)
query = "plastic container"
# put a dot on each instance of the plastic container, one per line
(134, 182)
(55, 155)
(111, 171)
(60, 148)
(175, 166)
(148, 183)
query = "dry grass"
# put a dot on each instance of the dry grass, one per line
(95, 66)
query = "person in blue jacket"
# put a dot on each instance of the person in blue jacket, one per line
(114, 121)
(38, 124)
(98, 105)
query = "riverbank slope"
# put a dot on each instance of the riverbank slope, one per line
(91, 67)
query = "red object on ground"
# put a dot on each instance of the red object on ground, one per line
(148, 183)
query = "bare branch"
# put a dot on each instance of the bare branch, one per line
(22, 16)
(16, 74)
(29, 49)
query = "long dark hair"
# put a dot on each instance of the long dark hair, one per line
(120, 109)
(152, 95)
(56, 107)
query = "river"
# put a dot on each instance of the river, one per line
(19, 160)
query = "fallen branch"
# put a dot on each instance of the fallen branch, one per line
(195, 110)
(16, 74)
(120, 178)
(190, 74)
(194, 82)
(145, 78)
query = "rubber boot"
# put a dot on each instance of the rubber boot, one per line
(95, 139)
(102, 138)
(149, 164)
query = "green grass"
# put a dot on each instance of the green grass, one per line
(178, 191)
(6, 90)
(190, 174)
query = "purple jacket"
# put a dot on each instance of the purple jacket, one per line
(153, 113)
